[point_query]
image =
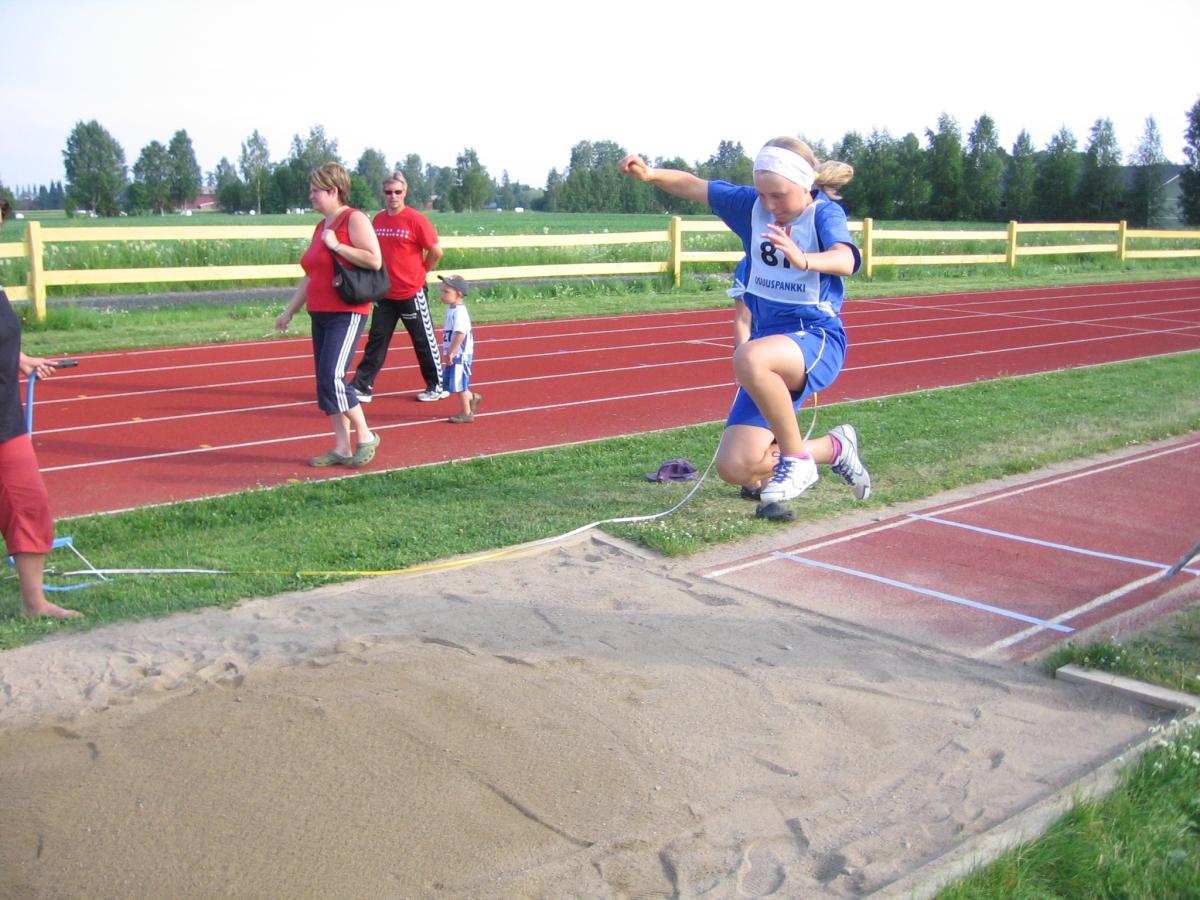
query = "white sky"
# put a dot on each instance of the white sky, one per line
(522, 81)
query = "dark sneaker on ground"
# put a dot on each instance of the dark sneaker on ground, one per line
(793, 476)
(848, 464)
(749, 493)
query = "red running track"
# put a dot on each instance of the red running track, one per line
(1007, 574)
(140, 427)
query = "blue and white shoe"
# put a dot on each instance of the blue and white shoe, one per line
(849, 464)
(792, 478)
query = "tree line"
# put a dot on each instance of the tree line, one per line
(943, 177)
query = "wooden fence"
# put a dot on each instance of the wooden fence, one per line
(40, 278)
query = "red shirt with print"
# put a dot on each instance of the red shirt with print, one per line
(403, 239)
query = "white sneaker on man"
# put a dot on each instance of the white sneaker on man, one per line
(428, 396)
(793, 476)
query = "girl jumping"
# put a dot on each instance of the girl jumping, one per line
(789, 341)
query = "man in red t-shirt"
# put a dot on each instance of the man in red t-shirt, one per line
(410, 251)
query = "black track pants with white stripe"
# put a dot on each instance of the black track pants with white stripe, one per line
(414, 313)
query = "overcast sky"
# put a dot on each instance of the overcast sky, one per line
(523, 81)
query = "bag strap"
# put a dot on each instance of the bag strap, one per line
(350, 210)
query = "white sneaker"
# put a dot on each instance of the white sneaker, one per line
(848, 464)
(793, 476)
(430, 396)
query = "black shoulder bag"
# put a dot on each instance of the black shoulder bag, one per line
(357, 285)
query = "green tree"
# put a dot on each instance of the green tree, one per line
(8, 202)
(418, 185)
(912, 187)
(983, 176)
(730, 163)
(152, 177)
(507, 197)
(875, 175)
(551, 197)
(229, 190)
(1058, 178)
(850, 150)
(255, 163)
(361, 195)
(441, 181)
(95, 167)
(1189, 200)
(372, 168)
(1147, 191)
(472, 186)
(591, 182)
(945, 170)
(290, 187)
(183, 170)
(314, 151)
(1101, 188)
(1020, 183)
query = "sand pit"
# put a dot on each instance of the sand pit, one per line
(582, 723)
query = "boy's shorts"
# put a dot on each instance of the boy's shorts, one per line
(458, 376)
(824, 354)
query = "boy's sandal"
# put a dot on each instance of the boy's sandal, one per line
(461, 419)
(475, 398)
(332, 458)
(365, 452)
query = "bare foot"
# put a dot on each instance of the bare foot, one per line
(50, 611)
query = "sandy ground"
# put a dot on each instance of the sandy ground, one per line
(584, 722)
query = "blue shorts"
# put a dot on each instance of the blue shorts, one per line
(823, 344)
(458, 375)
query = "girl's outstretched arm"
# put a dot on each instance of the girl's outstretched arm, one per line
(676, 183)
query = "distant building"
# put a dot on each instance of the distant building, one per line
(205, 202)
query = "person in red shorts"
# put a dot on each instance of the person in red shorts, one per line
(24, 505)
(410, 251)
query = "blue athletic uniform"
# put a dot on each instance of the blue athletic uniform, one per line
(805, 306)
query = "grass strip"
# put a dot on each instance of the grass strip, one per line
(916, 445)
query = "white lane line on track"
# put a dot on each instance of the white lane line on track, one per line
(900, 522)
(490, 326)
(1102, 600)
(439, 421)
(307, 375)
(641, 367)
(1050, 545)
(722, 341)
(849, 369)
(303, 356)
(924, 592)
(966, 299)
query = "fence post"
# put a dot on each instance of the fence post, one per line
(1011, 250)
(675, 238)
(37, 288)
(1122, 231)
(868, 248)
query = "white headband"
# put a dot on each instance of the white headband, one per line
(789, 164)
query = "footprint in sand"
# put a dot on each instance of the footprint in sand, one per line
(761, 872)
